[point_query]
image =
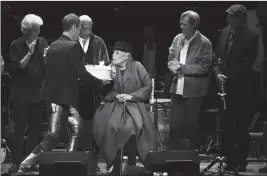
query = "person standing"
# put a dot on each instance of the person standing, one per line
(60, 89)
(27, 73)
(93, 51)
(237, 48)
(190, 61)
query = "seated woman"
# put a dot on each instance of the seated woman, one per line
(131, 90)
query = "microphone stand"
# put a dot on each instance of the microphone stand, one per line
(221, 159)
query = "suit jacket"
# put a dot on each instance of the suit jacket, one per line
(238, 62)
(96, 52)
(90, 97)
(63, 68)
(197, 67)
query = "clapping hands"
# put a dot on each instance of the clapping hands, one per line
(123, 97)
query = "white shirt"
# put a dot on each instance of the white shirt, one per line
(183, 53)
(84, 46)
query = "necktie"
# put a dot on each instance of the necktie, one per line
(84, 42)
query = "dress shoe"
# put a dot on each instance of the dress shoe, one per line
(14, 168)
(263, 170)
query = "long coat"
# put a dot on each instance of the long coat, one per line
(138, 120)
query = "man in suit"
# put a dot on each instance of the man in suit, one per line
(27, 74)
(237, 48)
(63, 68)
(93, 51)
(190, 58)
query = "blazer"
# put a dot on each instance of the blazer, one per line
(63, 68)
(197, 67)
(90, 97)
(237, 63)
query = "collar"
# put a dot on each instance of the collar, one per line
(192, 38)
(65, 37)
(82, 39)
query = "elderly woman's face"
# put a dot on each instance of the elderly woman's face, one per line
(186, 27)
(119, 57)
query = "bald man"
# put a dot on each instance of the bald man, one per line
(93, 50)
(27, 73)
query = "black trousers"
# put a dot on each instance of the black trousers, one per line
(184, 123)
(130, 149)
(235, 122)
(30, 114)
(62, 116)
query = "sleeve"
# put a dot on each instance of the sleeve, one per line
(204, 65)
(80, 69)
(172, 49)
(144, 93)
(216, 55)
(15, 58)
(246, 65)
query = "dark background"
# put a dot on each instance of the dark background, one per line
(115, 20)
(120, 21)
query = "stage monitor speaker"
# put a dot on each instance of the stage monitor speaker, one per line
(82, 163)
(174, 161)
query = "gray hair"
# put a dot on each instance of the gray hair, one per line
(32, 21)
(193, 17)
(85, 18)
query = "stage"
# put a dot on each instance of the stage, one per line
(252, 169)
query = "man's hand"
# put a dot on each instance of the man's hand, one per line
(221, 78)
(31, 47)
(174, 66)
(45, 51)
(105, 82)
(123, 97)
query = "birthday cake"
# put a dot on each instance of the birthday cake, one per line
(99, 71)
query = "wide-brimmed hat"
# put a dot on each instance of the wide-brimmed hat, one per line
(122, 46)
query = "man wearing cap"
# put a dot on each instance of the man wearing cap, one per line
(237, 49)
(125, 112)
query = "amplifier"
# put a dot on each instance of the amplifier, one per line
(174, 161)
(82, 163)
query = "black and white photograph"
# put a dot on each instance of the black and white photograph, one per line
(133, 88)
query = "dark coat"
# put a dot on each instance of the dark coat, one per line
(237, 64)
(139, 121)
(63, 68)
(90, 97)
(197, 67)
